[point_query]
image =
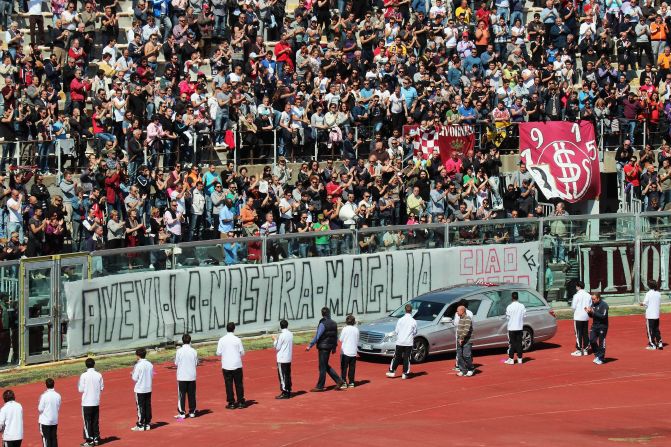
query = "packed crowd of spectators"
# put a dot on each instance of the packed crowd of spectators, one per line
(133, 118)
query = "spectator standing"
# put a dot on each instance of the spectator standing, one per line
(515, 313)
(231, 351)
(406, 329)
(284, 344)
(326, 339)
(91, 386)
(349, 342)
(48, 407)
(186, 361)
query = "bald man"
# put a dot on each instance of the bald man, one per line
(464, 351)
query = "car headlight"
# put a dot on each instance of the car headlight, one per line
(389, 337)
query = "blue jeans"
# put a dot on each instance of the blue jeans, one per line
(323, 250)
(43, 150)
(632, 130)
(505, 12)
(516, 15)
(303, 248)
(325, 368)
(219, 24)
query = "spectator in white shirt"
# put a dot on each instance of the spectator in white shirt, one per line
(349, 342)
(231, 351)
(406, 329)
(143, 376)
(652, 303)
(284, 346)
(91, 385)
(186, 361)
(515, 316)
(48, 407)
(11, 420)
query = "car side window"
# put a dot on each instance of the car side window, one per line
(529, 299)
(474, 305)
(500, 301)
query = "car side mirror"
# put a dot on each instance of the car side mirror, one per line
(445, 320)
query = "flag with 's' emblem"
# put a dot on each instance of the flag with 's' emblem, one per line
(562, 158)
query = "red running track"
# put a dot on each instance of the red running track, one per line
(552, 400)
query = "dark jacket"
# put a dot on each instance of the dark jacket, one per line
(329, 339)
(600, 315)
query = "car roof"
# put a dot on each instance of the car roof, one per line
(452, 293)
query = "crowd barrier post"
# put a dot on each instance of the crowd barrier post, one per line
(356, 139)
(144, 154)
(18, 152)
(274, 148)
(317, 147)
(645, 132)
(242, 142)
(264, 251)
(235, 150)
(59, 160)
(637, 257)
(446, 239)
(541, 258)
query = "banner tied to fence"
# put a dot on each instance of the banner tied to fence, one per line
(443, 140)
(562, 158)
(119, 312)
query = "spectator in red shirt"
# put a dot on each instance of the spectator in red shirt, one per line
(632, 177)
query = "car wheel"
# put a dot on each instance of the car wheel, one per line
(527, 339)
(420, 350)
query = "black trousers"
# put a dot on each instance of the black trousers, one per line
(49, 435)
(515, 344)
(12, 443)
(184, 389)
(581, 334)
(401, 355)
(143, 402)
(597, 339)
(347, 368)
(284, 374)
(91, 417)
(231, 377)
(325, 368)
(654, 336)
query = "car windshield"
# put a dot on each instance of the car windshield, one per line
(421, 310)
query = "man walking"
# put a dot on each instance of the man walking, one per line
(231, 351)
(515, 315)
(349, 341)
(143, 376)
(406, 329)
(597, 336)
(326, 340)
(284, 346)
(652, 303)
(91, 385)
(48, 407)
(581, 300)
(464, 303)
(464, 351)
(11, 420)
(186, 360)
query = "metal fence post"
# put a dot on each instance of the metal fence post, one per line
(57, 145)
(637, 259)
(355, 242)
(645, 132)
(541, 258)
(274, 148)
(316, 146)
(235, 150)
(195, 147)
(446, 242)
(251, 160)
(264, 250)
(356, 139)
(18, 153)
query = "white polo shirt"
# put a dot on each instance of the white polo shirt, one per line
(349, 339)
(231, 351)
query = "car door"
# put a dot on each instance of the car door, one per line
(443, 334)
(536, 311)
(490, 328)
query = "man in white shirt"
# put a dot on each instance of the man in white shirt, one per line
(515, 316)
(231, 351)
(186, 360)
(284, 345)
(91, 385)
(406, 329)
(349, 342)
(652, 303)
(48, 407)
(11, 421)
(14, 205)
(143, 376)
(580, 301)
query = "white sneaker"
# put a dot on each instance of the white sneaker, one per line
(598, 361)
(520, 361)
(660, 345)
(136, 428)
(577, 353)
(584, 352)
(180, 416)
(404, 376)
(460, 374)
(509, 362)
(391, 374)
(147, 427)
(470, 373)
(651, 348)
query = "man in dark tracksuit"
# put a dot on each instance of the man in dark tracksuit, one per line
(597, 335)
(326, 340)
